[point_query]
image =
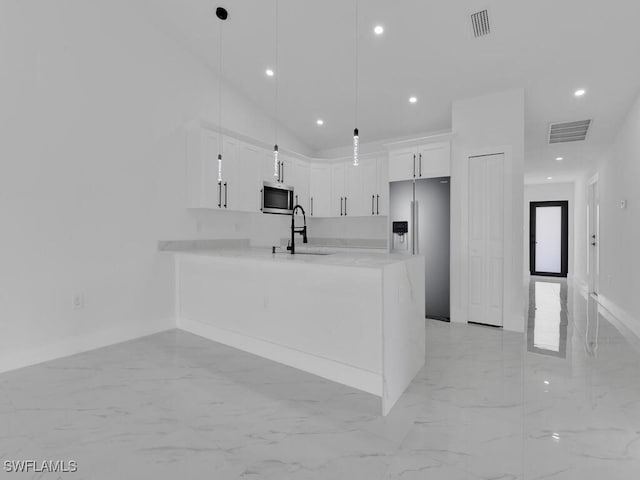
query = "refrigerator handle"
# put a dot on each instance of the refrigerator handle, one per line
(412, 227)
(416, 216)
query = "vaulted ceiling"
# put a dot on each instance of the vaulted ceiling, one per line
(549, 47)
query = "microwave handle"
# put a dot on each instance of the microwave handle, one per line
(261, 199)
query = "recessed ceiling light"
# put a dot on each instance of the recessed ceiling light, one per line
(580, 92)
(413, 99)
(549, 178)
(320, 122)
(546, 382)
(269, 72)
(559, 159)
(378, 30)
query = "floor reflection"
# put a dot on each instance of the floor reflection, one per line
(548, 318)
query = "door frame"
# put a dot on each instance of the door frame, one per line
(593, 236)
(564, 244)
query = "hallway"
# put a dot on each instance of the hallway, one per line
(563, 405)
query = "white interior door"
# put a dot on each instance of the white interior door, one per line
(548, 239)
(486, 239)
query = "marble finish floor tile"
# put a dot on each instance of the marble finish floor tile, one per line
(560, 402)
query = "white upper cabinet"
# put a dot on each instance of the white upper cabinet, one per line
(402, 164)
(338, 172)
(244, 193)
(434, 160)
(320, 190)
(382, 197)
(424, 161)
(300, 172)
(203, 190)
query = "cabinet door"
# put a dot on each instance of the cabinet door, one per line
(245, 194)
(202, 168)
(320, 190)
(402, 164)
(300, 181)
(382, 196)
(369, 190)
(434, 160)
(231, 174)
(337, 189)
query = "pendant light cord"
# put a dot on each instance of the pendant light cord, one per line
(356, 67)
(220, 91)
(277, 74)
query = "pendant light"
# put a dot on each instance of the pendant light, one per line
(276, 163)
(356, 136)
(222, 14)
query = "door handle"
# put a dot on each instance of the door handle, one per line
(219, 194)
(340, 206)
(414, 165)
(377, 204)
(372, 197)
(261, 200)
(225, 194)
(420, 164)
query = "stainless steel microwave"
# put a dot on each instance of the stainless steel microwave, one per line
(277, 198)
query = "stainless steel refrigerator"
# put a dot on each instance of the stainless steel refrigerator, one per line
(419, 214)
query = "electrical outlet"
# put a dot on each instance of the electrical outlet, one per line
(77, 302)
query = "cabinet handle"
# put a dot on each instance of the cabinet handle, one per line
(420, 164)
(311, 199)
(414, 165)
(377, 204)
(225, 194)
(340, 206)
(261, 199)
(345, 206)
(219, 194)
(372, 197)
(282, 172)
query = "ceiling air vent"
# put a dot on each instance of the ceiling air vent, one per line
(480, 22)
(569, 131)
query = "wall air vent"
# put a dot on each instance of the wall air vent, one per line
(569, 131)
(480, 23)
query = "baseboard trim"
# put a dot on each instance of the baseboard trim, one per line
(83, 343)
(620, 318)
(331, 370)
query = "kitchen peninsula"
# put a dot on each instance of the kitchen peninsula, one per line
(354, 318)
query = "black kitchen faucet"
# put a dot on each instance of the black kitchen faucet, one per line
(301, 230)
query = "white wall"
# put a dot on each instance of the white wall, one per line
(545, 193)
(92, 174)
(618, 175)
(485, 125)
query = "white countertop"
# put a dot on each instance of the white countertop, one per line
(338, 257)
